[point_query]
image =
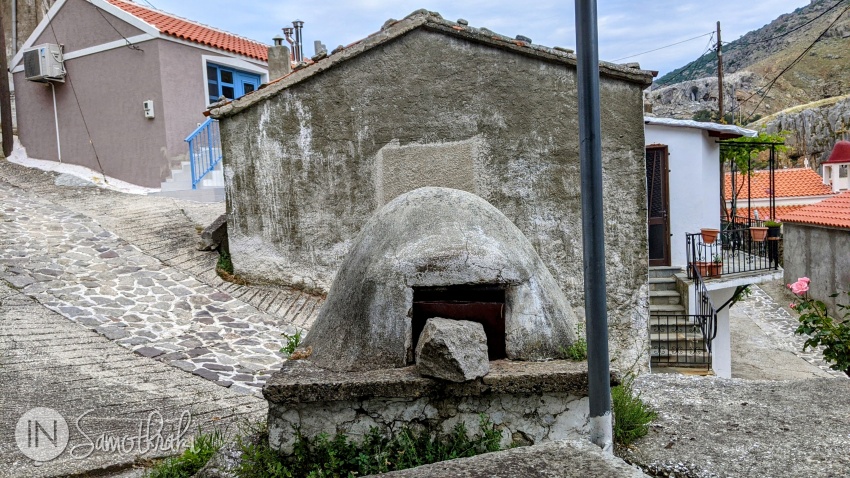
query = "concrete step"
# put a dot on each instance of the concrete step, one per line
(683, 336)
(669, 309)
(664, 297)
(660, 272)
(662, 283)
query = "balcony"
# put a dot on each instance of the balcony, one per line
(736, 249)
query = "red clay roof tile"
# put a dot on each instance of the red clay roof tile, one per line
(797, 182)
(764, 212)
(831, 212)
(184, 29)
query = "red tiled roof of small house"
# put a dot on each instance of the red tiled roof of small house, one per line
(831, 212)
(184, 29)
(764, 212)
(840, 153)
(796, 182)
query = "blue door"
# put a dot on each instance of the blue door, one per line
(229, 82)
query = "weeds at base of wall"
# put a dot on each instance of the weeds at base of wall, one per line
(631, 415)
(324, 456)
(224, 269)
(190, 461)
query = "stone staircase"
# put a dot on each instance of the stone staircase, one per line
(675, 340)
(179, 185)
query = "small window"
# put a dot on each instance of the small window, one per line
(842, 171)
(229, 82)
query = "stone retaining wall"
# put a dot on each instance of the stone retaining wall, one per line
(529, 402)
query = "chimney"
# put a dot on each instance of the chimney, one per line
(287, 32)
(279, 59)
(320, 49)
(298, 48)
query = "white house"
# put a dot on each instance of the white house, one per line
(683, 196)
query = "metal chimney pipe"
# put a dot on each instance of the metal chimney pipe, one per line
(299, 41)
(287, 32)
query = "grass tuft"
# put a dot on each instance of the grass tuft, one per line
(187, 464)
(631, 415)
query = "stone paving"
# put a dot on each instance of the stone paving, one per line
(775, 321)
(71, 265)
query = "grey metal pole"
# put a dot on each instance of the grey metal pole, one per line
(593, 230)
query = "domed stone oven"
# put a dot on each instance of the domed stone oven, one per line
(439, 252)
(435, 252)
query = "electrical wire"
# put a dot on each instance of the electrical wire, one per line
(736, 45)
(77, 100)
(692, 64)
(665, 46)
(130, 45)
(771, 84)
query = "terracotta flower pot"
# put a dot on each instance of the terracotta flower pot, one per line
(758, 233)
(709, 235)
(709, 269)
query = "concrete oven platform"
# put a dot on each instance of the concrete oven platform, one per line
(530, 402)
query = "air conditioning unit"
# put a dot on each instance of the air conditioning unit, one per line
(44, 63)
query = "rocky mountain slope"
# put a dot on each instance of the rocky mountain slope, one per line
(819, 34)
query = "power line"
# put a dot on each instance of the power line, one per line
(770, 85)
(693, 64)
(666, 46)
(839, 2)
(130, 45)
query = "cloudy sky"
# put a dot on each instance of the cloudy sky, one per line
(626, 27)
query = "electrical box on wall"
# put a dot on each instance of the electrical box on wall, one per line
(148, 105)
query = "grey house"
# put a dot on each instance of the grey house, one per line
(429, 102)
(138, 81)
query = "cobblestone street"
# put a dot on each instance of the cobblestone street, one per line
(72, 265)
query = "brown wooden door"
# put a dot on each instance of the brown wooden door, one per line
(658, 205)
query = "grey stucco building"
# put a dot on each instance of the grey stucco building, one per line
(118, 55)
(428, 102)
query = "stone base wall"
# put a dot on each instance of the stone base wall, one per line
(524, 419)
(529, 402)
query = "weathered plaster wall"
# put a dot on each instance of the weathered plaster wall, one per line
(28, 14)
(823, 255)
(306, 168)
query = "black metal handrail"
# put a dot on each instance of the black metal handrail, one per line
(733, 251)
(706, 313)
(678, 339)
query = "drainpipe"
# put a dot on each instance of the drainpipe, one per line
(592, 221)
(14, 27)
(56, 122)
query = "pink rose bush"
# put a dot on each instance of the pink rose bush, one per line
(833, 335)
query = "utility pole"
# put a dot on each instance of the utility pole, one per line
(592, 224)
(5, 97)
(719, 76)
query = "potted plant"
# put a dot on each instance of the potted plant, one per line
(716, 267)
(758, 233)
(773, 228)
(709, 235)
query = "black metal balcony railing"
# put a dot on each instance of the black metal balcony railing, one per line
(733, 251)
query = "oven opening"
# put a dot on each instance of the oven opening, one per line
(484, 304)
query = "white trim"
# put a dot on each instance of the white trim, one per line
(100, 48)
(147, 28)
(233, 63)
(237, 56)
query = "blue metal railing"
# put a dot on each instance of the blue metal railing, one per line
(204, 150)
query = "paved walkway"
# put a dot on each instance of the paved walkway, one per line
(48, 361)
(127, 267)
(770, 349)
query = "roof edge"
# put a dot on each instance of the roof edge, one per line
(707, 126)
(432, 21)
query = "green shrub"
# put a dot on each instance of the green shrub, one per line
(338, 456)
(831, 333)
(631, 415)
(187, 464)
(576, 351)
